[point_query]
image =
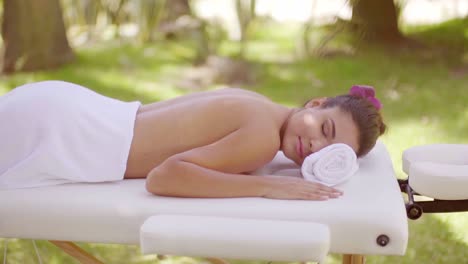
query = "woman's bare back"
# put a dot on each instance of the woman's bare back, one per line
(164, 129)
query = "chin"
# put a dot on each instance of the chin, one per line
(292, 157)
(298, 162)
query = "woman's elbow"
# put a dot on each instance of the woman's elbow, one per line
(153, 184)
(160, 180)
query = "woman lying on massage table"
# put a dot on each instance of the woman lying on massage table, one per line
(198, 145)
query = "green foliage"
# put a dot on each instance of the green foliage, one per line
(449, 39)
(425, 101)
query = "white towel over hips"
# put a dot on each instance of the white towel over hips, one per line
(55, 132)
(331, 165)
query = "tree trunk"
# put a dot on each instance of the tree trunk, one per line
(34, 36)
(376, 20)
(245, 10)
(176, 9)
(150, 13)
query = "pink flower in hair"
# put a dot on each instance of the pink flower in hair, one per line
(367, 92)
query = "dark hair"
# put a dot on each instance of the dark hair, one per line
(366, 116)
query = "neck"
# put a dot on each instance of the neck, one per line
(288, 112)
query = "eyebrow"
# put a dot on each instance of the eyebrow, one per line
(333, 128)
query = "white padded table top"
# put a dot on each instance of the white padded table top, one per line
(372, 205)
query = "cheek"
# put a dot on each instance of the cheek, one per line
(351, 137)
(308, 120)
(309, 124)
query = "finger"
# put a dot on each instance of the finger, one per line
(334, 195)
(319, 186)
(318, 189)
(327, 193)
(316, 196)
(329, 189)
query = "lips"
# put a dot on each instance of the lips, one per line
(299, 149)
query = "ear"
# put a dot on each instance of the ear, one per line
(315, 102)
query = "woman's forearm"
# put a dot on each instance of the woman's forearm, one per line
(183, 179)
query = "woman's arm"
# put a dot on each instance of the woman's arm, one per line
(183, 179)
(215, 171)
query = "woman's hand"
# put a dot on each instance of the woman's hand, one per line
(283, 187)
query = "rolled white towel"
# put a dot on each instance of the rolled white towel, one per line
(331, 165)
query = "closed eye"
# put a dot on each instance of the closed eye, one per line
(328, 127)
(333, 129)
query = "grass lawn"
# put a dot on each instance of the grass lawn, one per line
(425, 101)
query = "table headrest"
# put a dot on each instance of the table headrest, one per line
(448, 154)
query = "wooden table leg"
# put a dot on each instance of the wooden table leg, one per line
(76, 252)
(353, 259)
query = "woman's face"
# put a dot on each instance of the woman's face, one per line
(313, 128)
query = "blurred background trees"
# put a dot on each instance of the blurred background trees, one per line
(376, 20)
(34, 36)
(45, 45)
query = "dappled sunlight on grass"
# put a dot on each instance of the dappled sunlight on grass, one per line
(403, 134)
(117, 85)
(3, 88)
(451, 35)
(430, 241)
(457, 223)
(269, 51)
(123, 72)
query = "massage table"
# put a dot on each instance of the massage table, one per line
(369, 219)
